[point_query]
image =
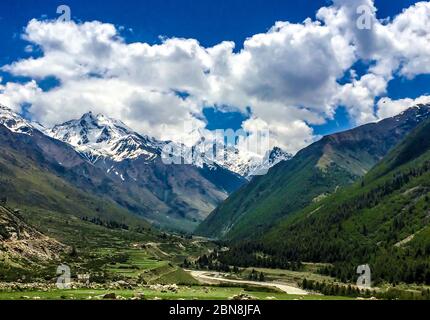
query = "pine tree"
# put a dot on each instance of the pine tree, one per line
(261, 278)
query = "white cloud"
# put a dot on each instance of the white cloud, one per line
(289, 76)
(14, 94)
(359, 97)
(389, 108)
(397, 47)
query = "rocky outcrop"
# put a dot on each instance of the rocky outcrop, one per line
(20, 242)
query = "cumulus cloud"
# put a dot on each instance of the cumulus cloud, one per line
(288, 76)
(14, 94)
(389, 108)
(359, 96)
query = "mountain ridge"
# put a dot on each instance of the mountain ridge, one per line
(382, 219)
(100, 137)
(314, 172)
(172, 196)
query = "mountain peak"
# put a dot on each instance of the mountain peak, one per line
(417, 111)
(99, 136)
(14, 122)
(88, 116)
(277, 154)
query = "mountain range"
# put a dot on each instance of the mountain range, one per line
(108, 160)
(98, 138)
(314, 173)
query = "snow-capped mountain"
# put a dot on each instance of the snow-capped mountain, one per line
(177, 197)
(272, 158)
(238, 160)
(248, 164)
(15, 123)
(98, 136)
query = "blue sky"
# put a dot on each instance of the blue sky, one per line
(208, 21)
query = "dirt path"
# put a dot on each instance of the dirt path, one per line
(211, 277)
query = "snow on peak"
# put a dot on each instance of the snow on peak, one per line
(16, 123)
(416, 111)
(238, 159)
(98, 136)
(248, 164)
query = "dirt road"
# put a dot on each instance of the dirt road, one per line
(215, 277)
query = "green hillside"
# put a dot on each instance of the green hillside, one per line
(266, 199)
(30, 182)
(314, 173)
(382, 220)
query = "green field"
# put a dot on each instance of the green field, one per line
(288, 276)
(184, 292)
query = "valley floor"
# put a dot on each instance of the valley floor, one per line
(144, 265)
(146, 293)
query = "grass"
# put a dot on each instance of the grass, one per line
(177, 276)
(184, 292)
(294, 277)
(137, 262)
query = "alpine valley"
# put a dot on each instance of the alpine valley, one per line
(95, 196)
(106, 159)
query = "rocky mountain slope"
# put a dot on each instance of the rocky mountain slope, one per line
(23, 246)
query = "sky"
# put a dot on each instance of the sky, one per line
(299, 68)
